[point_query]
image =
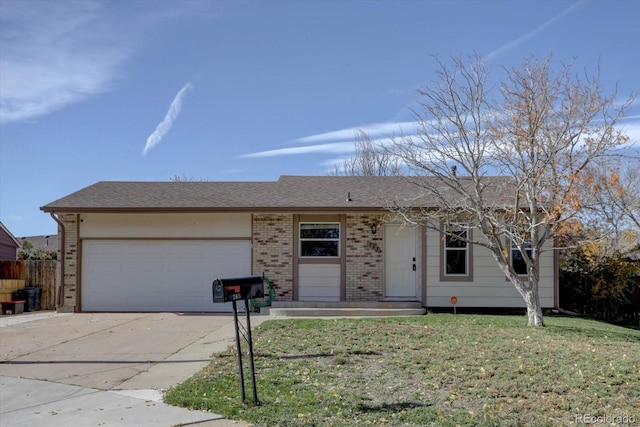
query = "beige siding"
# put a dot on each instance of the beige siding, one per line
(166, 226)
(489, 287)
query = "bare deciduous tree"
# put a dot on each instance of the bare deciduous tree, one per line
(370, 159)
(542, 130)
(184, 178)
(612, 201)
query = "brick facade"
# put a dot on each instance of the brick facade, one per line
(70, 260)
(273, 256)
(273, 252)
(364, 258)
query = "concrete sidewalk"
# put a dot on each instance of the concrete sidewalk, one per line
(41, 403)
(106, 369)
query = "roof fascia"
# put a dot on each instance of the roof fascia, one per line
(213, 210)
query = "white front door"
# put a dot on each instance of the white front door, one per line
(401, 262)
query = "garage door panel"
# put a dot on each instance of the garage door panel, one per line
(104, 300)
(158, 275)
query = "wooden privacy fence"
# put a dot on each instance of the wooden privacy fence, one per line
(12, 270)
(15, 275)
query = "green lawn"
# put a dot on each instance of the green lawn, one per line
(439, 369)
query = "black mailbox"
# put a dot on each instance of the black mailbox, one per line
(237, 288)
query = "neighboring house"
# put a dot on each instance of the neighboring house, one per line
(8, 244)
(158, 246)
(41, 244)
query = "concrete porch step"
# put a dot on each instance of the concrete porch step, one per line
(345, 309)
(345, 312)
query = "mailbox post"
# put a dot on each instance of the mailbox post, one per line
(234, 290)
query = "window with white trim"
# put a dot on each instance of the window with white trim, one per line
(456, 250)
(319, 239)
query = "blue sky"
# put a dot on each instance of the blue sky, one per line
(250, 90)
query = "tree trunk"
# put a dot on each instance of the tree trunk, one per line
(534, 309)
(527, 289)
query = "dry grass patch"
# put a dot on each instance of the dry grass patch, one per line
(431, 370)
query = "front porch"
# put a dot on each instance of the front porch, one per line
(344, 309)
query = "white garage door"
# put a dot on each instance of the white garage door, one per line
(129, 275)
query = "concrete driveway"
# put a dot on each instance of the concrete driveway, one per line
(105, 368)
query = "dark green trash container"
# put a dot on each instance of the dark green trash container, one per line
(32, 296)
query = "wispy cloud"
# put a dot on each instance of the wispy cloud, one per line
(373, 130)
(54, 54)
(165, 125)
(334, 147)
(515, 43)
(340, 141)
(632, 130)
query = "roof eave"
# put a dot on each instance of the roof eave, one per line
(53, 209)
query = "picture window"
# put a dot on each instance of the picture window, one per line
(319, 239)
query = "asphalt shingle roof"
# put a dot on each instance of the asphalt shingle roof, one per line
(288, 193)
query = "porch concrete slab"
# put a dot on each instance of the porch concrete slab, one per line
(282, 309)
(345, 312)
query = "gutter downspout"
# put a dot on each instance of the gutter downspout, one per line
(60, 293)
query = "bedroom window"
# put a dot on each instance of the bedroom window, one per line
(319, 239)
(517, 260)
(456, 251)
